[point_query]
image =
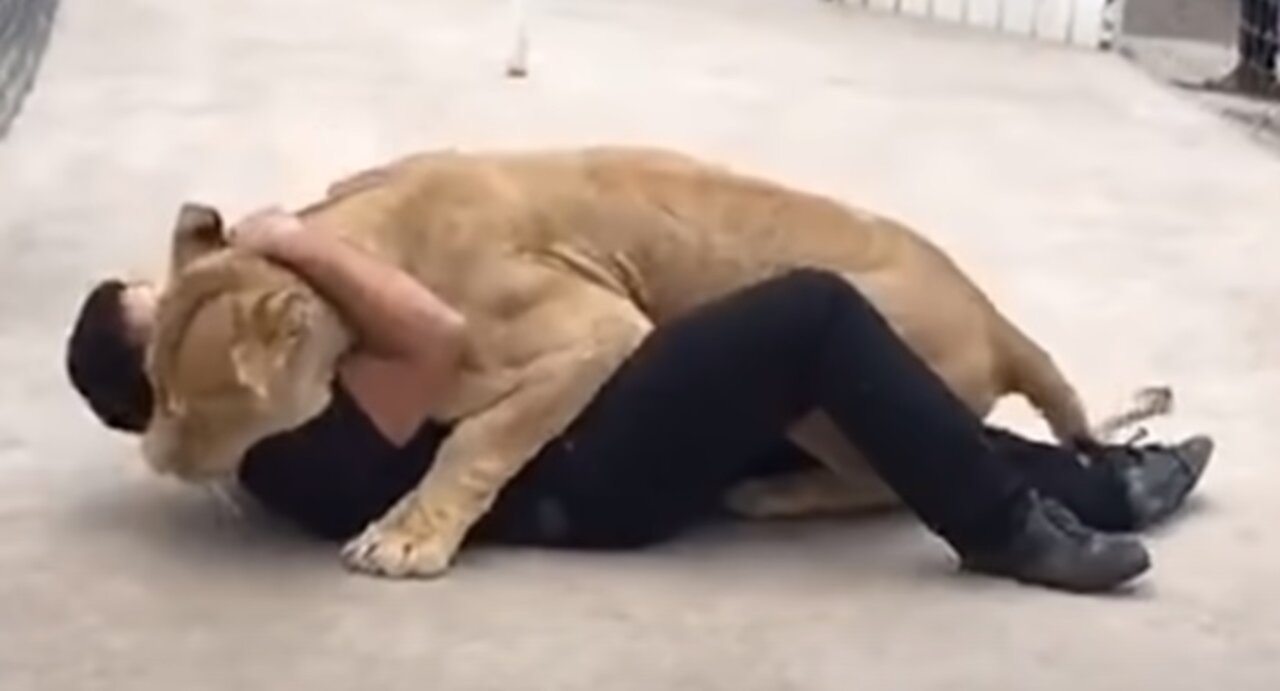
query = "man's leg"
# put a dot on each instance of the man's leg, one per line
(703, 403)
(703, 396)
(1110, 487)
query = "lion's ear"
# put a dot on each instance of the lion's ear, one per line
(280, 317)
(253, 364)
(267, 333)
(197, 231)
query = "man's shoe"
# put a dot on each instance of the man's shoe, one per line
(1053, 548)
(1157, 478)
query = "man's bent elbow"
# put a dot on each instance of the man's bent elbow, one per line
(442, 344)
(453, 335)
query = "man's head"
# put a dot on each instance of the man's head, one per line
(106, 352)
(235, 349)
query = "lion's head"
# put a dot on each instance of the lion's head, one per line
(240, 349)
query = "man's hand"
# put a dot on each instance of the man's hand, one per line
(268, 232)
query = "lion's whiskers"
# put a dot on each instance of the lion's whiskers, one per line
(224, 498)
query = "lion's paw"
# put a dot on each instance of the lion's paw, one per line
(394, 553)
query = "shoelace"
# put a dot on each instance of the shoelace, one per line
(225, 500)
(1070, 524)
(1138, 435)
(1140, 455)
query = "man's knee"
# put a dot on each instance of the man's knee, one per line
(822, 294)
(817, 282)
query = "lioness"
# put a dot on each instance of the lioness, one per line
(561, 261)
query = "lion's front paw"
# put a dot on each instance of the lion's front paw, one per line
(396, 553)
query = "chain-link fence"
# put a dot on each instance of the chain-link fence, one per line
(1223, 51)
(24, 31)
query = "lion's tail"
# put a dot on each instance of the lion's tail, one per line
(1030, 371)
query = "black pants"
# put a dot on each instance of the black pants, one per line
(703, 398)
(1259, 25)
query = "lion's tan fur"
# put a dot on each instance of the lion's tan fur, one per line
(561, 261)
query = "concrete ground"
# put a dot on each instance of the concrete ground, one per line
(1133, 232)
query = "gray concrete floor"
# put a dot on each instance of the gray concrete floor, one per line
(1127, 228)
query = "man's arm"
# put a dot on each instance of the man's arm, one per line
(394, 316)
(404, 332)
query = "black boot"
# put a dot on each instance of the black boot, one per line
(1156, 477)
(1053, 548)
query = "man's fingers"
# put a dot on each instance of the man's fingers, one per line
(264, 230)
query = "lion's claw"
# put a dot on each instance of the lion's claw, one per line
(395, 553)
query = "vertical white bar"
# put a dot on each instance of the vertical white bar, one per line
(518, 58)
(949, 10)
(883, 5)
(1053, 17)
(915, 8)
(1018, 16)
(983, 13)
